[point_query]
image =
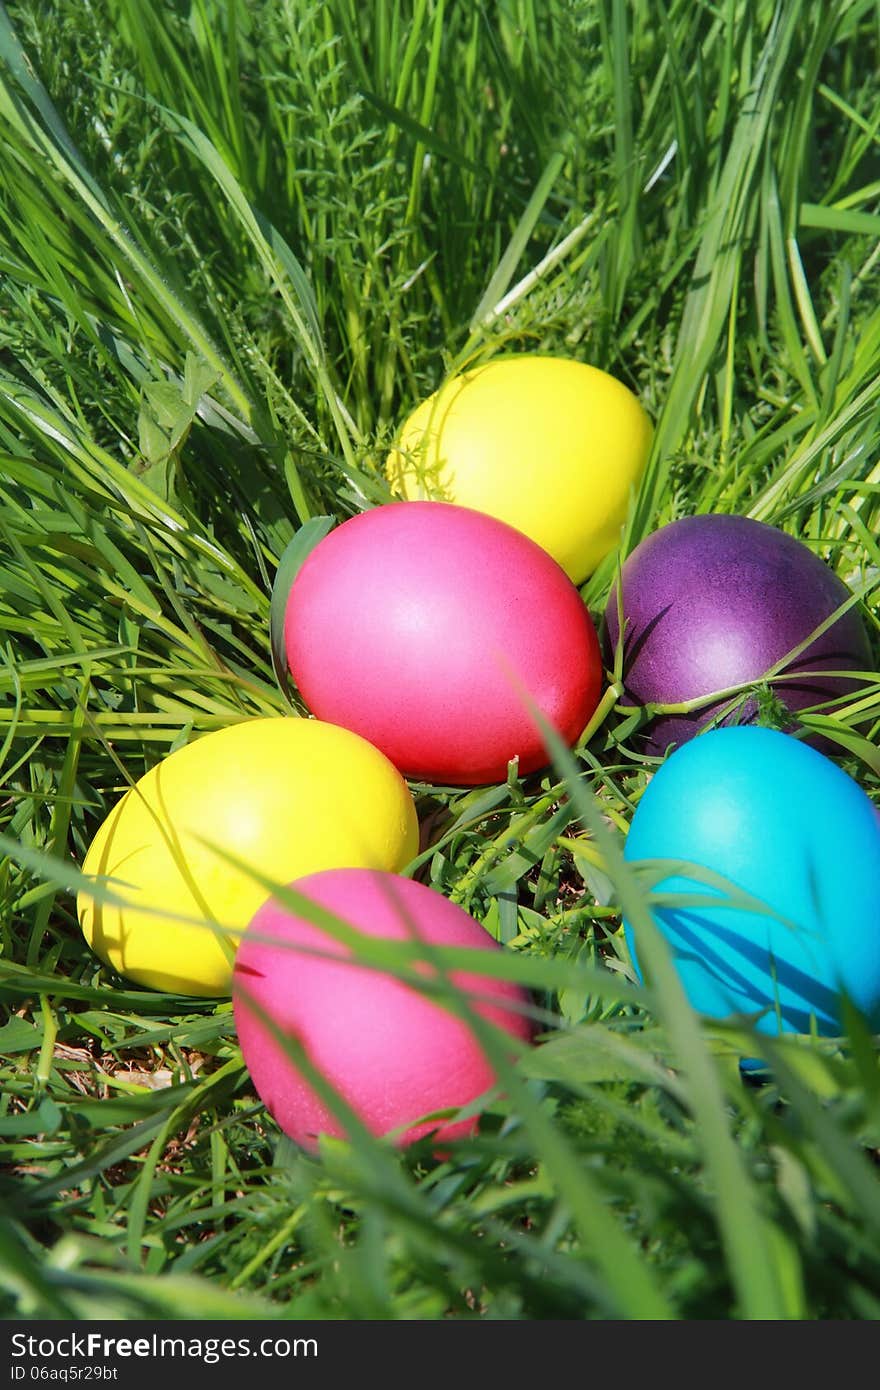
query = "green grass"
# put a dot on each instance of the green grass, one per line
(237, 245)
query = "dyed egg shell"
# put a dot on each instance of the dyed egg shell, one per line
(786, 825)
(551, 446)
(392, 1053)
(715, 601)
(286, 796)
(424, 627)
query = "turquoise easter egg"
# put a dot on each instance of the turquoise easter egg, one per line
(783, 824)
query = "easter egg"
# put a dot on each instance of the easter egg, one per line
(427, 627)
(285, 796)
(392, 1053)
(551, 446)
(711, 602)
(784, 824)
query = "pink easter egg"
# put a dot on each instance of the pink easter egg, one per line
(393, 1054)
(427, 628)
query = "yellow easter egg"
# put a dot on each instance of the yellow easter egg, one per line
(286, 796)
(551, 446)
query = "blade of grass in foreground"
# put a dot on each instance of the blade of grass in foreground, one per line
(745, 1233)
(24, 1277)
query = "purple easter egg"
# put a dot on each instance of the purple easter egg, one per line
(714, 601)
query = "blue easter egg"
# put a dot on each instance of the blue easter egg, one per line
(783, 824)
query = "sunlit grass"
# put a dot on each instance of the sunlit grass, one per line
(237, 245)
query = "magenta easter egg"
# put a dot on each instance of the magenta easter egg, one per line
(711, 602)
(427, 628)
(392, 1053)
